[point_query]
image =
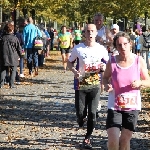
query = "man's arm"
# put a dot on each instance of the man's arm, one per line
(70, 63)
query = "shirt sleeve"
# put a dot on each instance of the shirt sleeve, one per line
(73, 55)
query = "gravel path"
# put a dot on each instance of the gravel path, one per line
(41, 116)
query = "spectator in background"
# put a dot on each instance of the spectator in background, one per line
(9, 53)
(137, 42)
(45, 37)
(77, 36)
(132, 37)
(51, 33)
(20, 38)
(47, 43)
(30, 32)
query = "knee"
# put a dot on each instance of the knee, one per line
(92, 116)
(124, 140)
(112, 145)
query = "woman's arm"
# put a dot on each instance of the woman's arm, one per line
(145, 79)
(106, 77)
(144, 73)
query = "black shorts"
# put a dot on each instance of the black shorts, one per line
(137, 50)
(76, 42)
(122, 119)
(65, 50)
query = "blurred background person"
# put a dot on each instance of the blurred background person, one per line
(9, 53)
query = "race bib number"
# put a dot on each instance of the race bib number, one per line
(64, 43)
(127, 100)
(91, 68)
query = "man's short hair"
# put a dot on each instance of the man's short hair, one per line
(99, 15)
(30, 20)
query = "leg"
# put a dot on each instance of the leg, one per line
(67, 57)
(113, 138)
(129, 122)
(125, 138)
(29, 60)
(3, 75)
(63, 54)
(7, 77)
(21, 65)
(102, 86)
(80, 106)
(12, 75)
(113, 126)
(68, 52)
(92, 100)
(52, 44)
(35, 61)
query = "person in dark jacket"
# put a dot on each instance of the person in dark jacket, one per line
(20, 38)
(9, 54)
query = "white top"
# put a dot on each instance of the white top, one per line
(102, 33)
(89, 58)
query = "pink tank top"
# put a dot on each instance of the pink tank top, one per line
(126, 98)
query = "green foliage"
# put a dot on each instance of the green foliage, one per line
(80, 10)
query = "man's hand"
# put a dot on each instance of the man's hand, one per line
(77, 74)
(103, 66)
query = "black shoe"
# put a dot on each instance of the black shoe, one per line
(86, 145)
(13, 87)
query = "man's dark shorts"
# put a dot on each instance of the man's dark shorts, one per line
(65, 50)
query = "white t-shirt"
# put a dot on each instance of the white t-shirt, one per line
(102, 33)
(88, 63)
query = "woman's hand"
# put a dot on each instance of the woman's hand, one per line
(136, 84)
(108, 87)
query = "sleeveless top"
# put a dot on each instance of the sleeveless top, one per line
(124, 97)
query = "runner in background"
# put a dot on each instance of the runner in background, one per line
(65, 40)
(78, 36)
(103, 37)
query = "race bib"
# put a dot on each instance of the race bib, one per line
(64, 43)
(127, 100)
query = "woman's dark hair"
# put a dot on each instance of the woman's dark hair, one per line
(121, 34)
(8, 28)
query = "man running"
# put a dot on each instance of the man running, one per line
(86, 82)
